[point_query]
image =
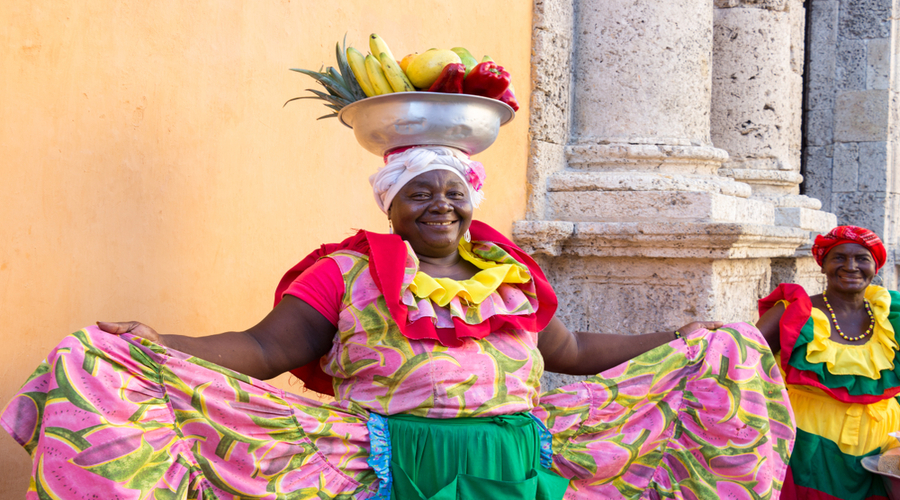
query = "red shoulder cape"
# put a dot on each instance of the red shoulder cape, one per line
(387, 260)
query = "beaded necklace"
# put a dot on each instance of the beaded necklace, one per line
(838, 327)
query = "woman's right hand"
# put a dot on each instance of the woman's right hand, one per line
(133, 327)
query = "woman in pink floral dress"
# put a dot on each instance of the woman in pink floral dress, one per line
(433, 341)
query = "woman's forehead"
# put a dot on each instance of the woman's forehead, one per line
(849, 249)
(435, 177)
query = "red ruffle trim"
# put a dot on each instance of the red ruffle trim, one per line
(795, 316)
(387, 261)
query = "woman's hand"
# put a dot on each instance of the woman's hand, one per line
(697, 325)
(133, 327)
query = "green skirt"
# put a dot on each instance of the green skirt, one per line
(464, 458)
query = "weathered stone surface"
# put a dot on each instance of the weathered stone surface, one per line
(551, 63)
(553, 15)
(550, 98)
(660, 158)
(865, 19)
(645, 181)
(634, 296)
(846, 167)
(552, 125)
(638, 155)
(737, 286)
(546, 159)
(817, 179)
(792, 201)
(797, 15)
(804, 218)
(860, 209)
(801, 271)
(822, 60)
(850, 72)
(752, 99)
(767, 183)
(873, 166)
(878, 67)
(861, 116)
(779, 5)
(543, 236)
(794, 133)
(642, 69)
(820, 127)
(700, 240)
(628, 206)
(551, 86)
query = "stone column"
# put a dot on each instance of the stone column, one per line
(853, 103)
(756, 116)
(629, 216)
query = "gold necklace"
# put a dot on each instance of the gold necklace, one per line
(838, 327)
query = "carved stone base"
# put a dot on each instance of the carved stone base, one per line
(816, 221)
(633, 206)
(699, 240)
(632, 296)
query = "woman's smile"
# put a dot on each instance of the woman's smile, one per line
(432, 212)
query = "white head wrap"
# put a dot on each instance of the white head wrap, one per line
(400, 168)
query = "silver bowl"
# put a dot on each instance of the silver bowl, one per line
(385, 122)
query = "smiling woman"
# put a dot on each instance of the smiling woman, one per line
(433, 341)
(838, 356)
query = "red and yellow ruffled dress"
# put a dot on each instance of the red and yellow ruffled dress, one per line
(844, 396)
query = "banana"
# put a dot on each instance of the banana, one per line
(377, 45)
(394, 75)
(376, 76)
(357, 63)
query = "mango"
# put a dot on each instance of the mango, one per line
(424, 70)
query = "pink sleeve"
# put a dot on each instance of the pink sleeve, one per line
(322, 287)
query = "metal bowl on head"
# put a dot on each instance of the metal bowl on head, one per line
(390, 121)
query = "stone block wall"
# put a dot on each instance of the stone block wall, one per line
(851, 132)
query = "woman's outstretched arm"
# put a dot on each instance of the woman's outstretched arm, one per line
(585, 353)
(290, 336)
(769, 325)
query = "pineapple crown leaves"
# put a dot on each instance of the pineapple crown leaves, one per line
(339, 82)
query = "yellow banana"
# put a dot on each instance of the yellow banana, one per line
(394, 75)
(377, 45)
(357, 63)
(376, 76)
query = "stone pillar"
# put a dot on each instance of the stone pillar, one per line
(852, 132)
(756, 116)
(629, 215)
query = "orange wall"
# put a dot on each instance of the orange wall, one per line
(148, 169)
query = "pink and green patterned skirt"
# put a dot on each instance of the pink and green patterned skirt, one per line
(108, 417)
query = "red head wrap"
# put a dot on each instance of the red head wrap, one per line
(849, 234)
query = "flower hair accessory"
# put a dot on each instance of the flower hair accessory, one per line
(475, 175)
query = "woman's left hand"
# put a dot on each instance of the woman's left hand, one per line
(697, 325)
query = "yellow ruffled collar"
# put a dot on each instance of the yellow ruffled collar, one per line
(473, 290)
(867, 360)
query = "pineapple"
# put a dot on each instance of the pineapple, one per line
(340, 83)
